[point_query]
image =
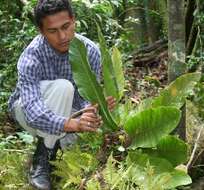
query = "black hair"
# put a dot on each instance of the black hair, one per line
(49, 7)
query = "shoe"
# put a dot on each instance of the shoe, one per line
(39, 175)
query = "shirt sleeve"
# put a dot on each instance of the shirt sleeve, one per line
(95, 61)
(36, 113)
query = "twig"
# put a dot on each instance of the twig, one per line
(19, 151)
(198, 166)
(196, 157)
(82, 184)
(195, 148)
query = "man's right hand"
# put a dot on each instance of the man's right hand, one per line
(89, 121)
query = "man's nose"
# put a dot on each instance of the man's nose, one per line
(61, 35)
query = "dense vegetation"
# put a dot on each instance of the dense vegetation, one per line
(121, 162)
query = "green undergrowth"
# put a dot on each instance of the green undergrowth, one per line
(13, 168)
(15, 155)
(13, 171)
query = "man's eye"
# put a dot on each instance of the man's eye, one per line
(52, 31)
(66, 26)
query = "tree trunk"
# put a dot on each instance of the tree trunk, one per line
(201, 31)
(139, 33)
(176, 49)
(154, 22)
(143, 25)
(162, 7)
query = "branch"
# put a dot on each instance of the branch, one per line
(196, 157)
(195, 148)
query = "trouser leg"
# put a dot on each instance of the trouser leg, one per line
(58, 96)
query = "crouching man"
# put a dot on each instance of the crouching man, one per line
(46, 94)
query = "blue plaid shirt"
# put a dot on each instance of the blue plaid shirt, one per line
(39, 61)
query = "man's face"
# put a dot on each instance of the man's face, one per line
(58, 29)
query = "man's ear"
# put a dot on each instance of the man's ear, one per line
(73, 18)
(74, 21)
(40, 30)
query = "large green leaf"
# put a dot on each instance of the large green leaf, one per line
(86, 81)
(173, 149)
(176, 92)
(148, 127)
(160, 165)
(118, 71)
(111, 87)
(144, 104)
(178, 178)
(125, 110)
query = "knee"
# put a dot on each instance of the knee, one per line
(64, 85)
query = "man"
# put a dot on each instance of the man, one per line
(46, 94)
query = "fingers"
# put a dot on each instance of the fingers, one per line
(91, 117)
(93, 122)
(91, 108)
(90, 120)
(111, 101)
(87, 129)
(77, 125)
(85, 126)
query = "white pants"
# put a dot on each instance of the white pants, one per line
(58, 96)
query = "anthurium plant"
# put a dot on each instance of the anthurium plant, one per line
(153, 152)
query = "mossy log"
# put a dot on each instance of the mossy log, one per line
(151, 54)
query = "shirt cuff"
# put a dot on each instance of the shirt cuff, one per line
(58, 125)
